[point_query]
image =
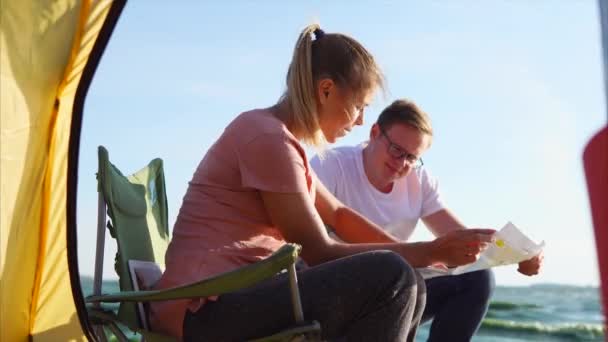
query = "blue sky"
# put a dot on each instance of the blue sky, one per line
(514, 90)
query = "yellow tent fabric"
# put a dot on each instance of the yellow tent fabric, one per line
(45, 69)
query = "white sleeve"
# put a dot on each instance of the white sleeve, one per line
(431, 198)
(327, 170)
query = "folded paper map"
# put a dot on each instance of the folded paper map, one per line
(510, 246)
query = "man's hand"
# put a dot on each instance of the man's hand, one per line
(532, 266)
(460, 247)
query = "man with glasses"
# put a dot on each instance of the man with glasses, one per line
(384, 180)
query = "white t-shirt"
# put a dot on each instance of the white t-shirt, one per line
(412, 197)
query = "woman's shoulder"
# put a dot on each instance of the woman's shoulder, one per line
(258, 127)
(256, 123)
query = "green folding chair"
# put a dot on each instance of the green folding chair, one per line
(137, 206)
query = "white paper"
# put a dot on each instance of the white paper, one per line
(510, 246)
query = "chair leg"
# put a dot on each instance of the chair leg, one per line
(295, 294)
(118, 333)
(100, 334)
(99, 250)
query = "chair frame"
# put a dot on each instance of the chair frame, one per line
(310, 330)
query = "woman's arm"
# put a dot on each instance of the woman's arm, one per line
(348, 224)
(295, 216)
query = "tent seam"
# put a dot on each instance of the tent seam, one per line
(83, 17)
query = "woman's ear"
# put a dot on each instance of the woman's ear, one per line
(324, 89)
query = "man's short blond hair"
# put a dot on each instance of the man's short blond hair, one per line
(406, 112)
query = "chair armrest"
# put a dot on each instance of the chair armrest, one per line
(240, 278)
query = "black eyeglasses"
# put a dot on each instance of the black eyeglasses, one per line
(397, 152)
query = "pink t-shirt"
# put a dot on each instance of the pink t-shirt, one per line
(222, 223)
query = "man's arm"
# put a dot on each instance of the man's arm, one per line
(454, 249)
(442, 222)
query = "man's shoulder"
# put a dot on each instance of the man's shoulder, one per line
(423, 178)
(335, 158)
(417, 175)
(336, 161)
(423, 173)
(343, 152)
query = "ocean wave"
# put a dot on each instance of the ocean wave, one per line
(503, 306)
(579, 331)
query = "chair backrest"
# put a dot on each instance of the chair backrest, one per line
(137, 207)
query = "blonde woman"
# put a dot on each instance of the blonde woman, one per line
(254, 191)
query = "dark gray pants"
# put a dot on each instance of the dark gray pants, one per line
(457, 305)
(374, 296)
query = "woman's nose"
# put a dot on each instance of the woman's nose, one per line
(359, 121)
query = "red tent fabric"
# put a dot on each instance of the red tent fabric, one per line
(595, 158)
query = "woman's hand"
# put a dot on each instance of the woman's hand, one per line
(460, 247)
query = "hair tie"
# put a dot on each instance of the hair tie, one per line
(319, 33)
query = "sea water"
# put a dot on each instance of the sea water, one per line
(540, 313)
(516, 314)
